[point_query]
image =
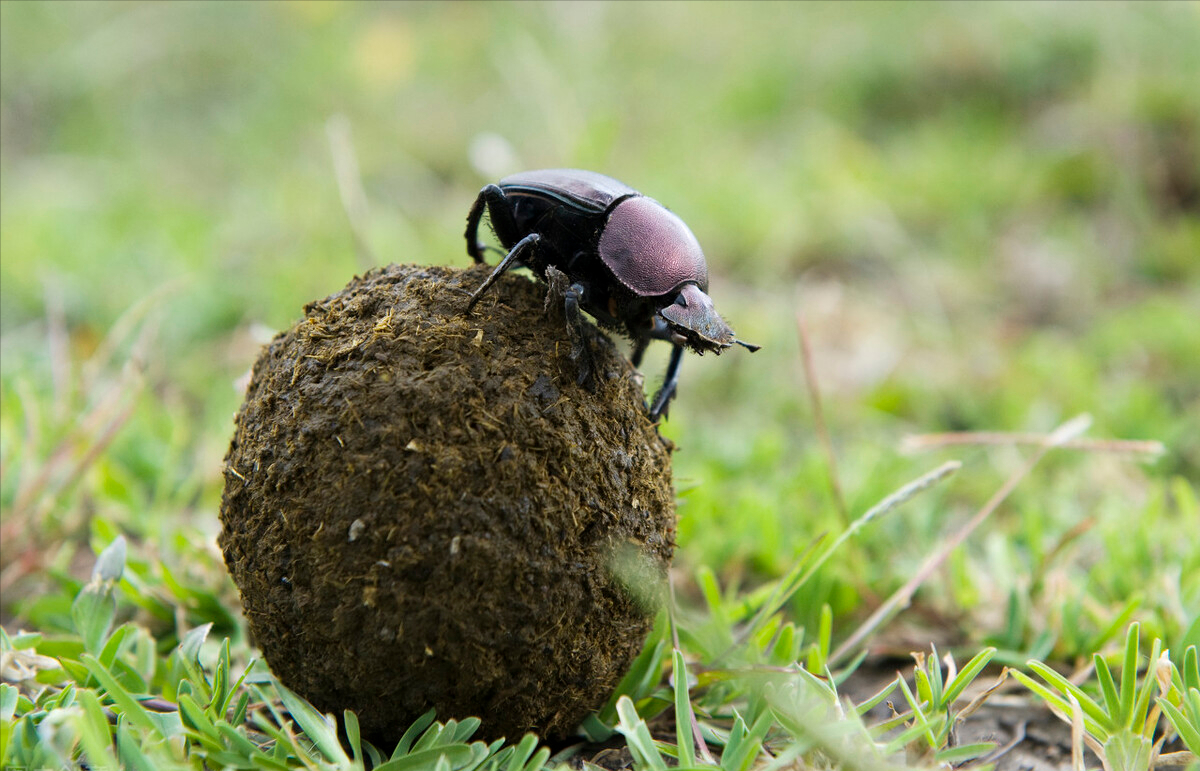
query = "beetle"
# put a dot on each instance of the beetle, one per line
(628, 261)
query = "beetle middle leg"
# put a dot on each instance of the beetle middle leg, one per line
(511, 259)
(499, 209)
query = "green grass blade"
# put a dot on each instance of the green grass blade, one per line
(236, 740)
(1062, 706)
(353, 737)
(8, 708)
(130, 753)
(637, 735)
(193, 715)
(404, 746)
(317, 727)
(453, 756)
(964, 752)
(919, 719)
(466, 729)
(1189, 673)
(878, 698)
(936, 683)
(95, 735)
(683, 712)
(1108, 687)
(521, 752)
(742, 756)
(1124, 718)
(134, 712)
(1090, 708)
(967, 675)
(1188, 730)
(1141, 707)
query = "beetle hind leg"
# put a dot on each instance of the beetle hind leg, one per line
(499, 209)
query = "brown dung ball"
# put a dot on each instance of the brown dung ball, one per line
(422, 508)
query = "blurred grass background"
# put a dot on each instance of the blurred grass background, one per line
(988, 215)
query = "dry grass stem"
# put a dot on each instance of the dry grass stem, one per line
(900, 599)
(814, 393)
(349, 181)
(922, 442)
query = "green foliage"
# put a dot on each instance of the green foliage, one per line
(986, 235)
(95, 699)
(931, 716)
(1181, 703)
(1120, 722)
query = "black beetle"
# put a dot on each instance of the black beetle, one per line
(627, 260)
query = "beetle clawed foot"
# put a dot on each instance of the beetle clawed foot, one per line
(582, 356)
(661, 405)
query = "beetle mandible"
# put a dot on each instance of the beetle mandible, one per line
(628, 261)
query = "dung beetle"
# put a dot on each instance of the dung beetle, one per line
(624, 258)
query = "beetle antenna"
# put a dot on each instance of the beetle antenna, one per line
(748, 346)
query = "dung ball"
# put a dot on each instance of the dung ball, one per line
(423, 509)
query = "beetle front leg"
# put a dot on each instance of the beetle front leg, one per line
(662, 399)
(500, 211)
(512, 258)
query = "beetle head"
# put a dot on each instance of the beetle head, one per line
(694, 322)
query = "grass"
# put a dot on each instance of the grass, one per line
(986, 218)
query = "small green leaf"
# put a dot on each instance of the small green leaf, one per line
(1188, 730)
(130, 752)
(1108, 687)
(129, 706)
(453, 755)
(967, 675)
(8, 708)
(92, 613)
(236, 740)
(1090, 708)
(936, 682)
(317, 727)
(1141, 707)
(193, 716)
(878, 698)
(95, 737)
(111, 562)
(404, 746)
(1124, 718)
(353, 737)
(964, 752)
(466, 729)
(189, 646)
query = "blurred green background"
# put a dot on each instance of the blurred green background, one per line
(987, 214)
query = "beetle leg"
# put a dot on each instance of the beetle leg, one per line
(639, 349)
(499, 210)
(580, 353)
(660, 330)
(511, 259)
(662, 399)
